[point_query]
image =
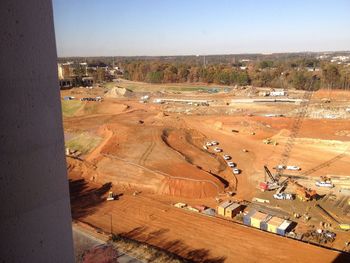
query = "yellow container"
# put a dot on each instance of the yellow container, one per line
(256, 219)
(273, 224)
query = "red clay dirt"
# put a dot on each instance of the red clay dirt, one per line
(162, 156)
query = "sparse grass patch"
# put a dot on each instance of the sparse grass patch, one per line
(70, 107)
(83, 142)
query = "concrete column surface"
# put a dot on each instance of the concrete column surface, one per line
(35, 219)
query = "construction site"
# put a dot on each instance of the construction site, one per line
(226, 176)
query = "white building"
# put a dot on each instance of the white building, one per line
(278, 92)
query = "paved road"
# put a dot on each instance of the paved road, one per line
(84, 241)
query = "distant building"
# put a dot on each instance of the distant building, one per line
(312, 69)
(67, 83)
(278, 92)
(87, 81)
(65, 70)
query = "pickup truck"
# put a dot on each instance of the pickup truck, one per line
(283, 196)
(324, 184)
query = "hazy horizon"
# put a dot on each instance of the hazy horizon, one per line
(186, 28)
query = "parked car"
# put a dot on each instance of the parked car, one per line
(217, 149)
(215, 143)
(231, 164)
(236, 171)
(226, 157)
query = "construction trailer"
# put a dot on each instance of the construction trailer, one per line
(257, 218)
(263, 224)
(284, 227)
(222, 207)
(209, 212)
(247, 217)
(273, 224)
(232, 210)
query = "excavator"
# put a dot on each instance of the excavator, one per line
(273, 184)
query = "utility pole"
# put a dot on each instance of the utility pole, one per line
(111, 224)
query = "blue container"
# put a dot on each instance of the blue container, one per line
(263, 224)
(284, 227)
(246, 218)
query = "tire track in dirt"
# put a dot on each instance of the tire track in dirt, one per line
(149, 150)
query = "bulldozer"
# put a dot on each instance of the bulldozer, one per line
(270, 141)
(111, 196)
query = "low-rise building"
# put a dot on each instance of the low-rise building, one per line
(221, 208)
(232, 210)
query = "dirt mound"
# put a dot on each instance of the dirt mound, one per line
(118, 92)
(188, 188)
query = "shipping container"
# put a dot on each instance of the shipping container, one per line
(284, 227)
(221, 208)
(233, 210)
(273, 224)
(263, 224)
(257, 218)
(246, 217)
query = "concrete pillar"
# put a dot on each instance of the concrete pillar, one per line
(35, 220)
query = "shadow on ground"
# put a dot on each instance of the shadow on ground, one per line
(84, 199)
(176, 247)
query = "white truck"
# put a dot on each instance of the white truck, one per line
(283, 196)
(327, 184)
(293, 168)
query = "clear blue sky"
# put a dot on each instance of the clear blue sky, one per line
(189, 27)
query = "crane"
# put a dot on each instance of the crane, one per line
(296, 125)
(266, 185)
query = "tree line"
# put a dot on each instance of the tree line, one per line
(276, 74)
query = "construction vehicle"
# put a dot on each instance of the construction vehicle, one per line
(266, 185)
(111, 196)
(303, 193)
(270, 141)
(280, 195)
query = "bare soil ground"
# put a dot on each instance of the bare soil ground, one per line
(160, 154)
